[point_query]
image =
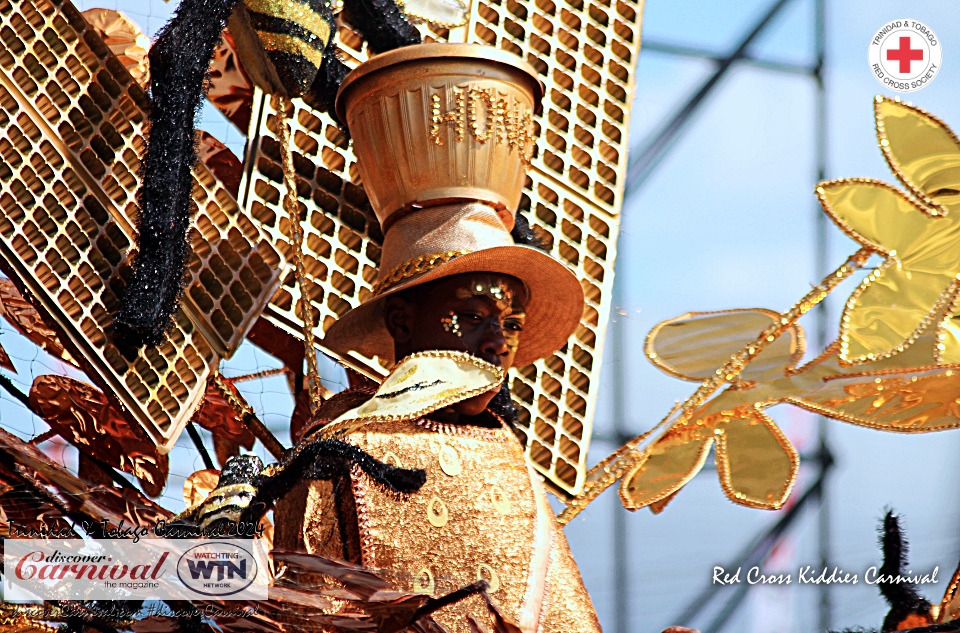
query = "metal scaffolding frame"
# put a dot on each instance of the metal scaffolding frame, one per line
(643, 162)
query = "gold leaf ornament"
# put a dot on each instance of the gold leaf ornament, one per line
(756, 463)
(918, 233)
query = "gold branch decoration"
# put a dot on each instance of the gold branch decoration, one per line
(894, 367)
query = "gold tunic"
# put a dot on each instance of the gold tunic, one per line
(482, 513)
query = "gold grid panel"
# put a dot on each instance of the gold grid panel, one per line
(585, 53)
(341, 247)
(72, 117)
(558, 395)
(85, 94)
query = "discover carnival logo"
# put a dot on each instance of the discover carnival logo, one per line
(74, 569)
(905, 55)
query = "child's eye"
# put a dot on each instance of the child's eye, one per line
(513, 326)
(472, 317)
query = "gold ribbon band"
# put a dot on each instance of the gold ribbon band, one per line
(292, 45)
(292, 11)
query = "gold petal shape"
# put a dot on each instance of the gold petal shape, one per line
(950, 605)
(907, 401)
(898, 299)
(882, 217)
(757, 464)
(949, 350)
(694, 345)
(890, 309)
(921, 150)
(664, 468)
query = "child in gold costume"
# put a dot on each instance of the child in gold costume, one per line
(456, 304)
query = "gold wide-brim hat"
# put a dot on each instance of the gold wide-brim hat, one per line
(443, 135)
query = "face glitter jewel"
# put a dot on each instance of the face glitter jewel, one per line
(424, 582)
(497, 290)
(393, 459)
(499, 500)
(486, 572)
(451, 324)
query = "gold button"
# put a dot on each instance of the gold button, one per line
(423, 581)
(437, 512)
(500, 502)
(486, 572)
(450, 461)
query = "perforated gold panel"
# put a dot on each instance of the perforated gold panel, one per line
(71, 138)
(585, 53)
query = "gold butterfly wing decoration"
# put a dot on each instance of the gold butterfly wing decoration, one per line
(917, 232)
(756, 463)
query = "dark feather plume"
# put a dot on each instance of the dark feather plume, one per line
(323, 93)
(524, 234)
(903, 597)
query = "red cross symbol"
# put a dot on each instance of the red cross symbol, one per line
(905, 54)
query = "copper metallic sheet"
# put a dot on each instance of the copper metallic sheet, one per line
(217, 416)
(81, 415)
(26, 320)
(231, 90)
(5, 361)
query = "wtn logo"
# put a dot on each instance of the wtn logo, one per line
(218, 568)
(224, 568)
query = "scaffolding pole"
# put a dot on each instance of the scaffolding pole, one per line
(643, 162)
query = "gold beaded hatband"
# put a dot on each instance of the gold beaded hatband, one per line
(416, 266)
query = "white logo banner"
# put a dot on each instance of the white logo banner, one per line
(123, 569)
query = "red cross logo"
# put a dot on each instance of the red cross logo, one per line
(905, 54)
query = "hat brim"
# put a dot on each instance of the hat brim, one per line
(553, 312)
